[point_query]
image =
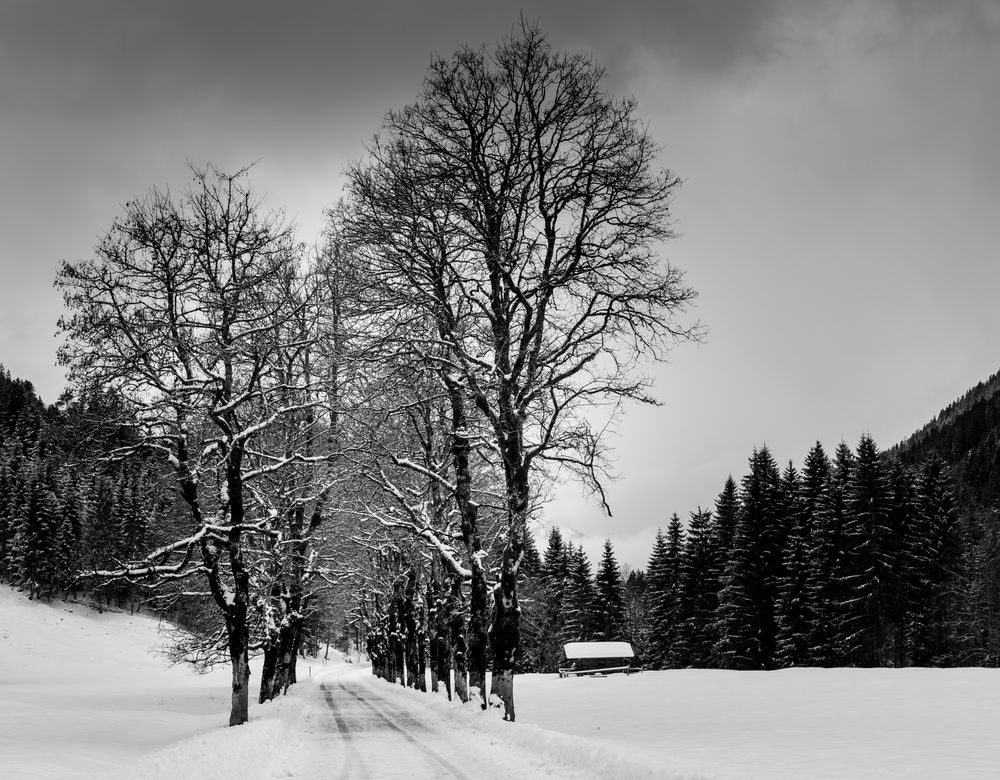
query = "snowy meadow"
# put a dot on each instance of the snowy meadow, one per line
(88, 695)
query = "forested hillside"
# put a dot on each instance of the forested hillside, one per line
(966, 436)
(64, 506)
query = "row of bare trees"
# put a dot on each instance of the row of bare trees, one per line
(491, 280)
(509, 218)
(198, 312)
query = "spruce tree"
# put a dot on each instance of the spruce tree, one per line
(745, 618)
(825, 590)
(553, 560)
(898, 593)
(37, 525)
(675, 557)
(578, 597)
(800, 610)
(721, 529)
(698, 597)
(609, 600)
(792, 607)
(531, 585)
(872, 547)
(935, 551)
(976, 619)
(554, 575)
(637, 630)
(661, 602)
(723, 526)
(8, 506)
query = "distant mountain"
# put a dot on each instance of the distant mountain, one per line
(966, 435)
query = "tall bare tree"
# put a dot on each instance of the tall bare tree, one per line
(185, 312)
(412, 311)
(518, 205)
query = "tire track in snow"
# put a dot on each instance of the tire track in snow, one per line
(434, 757)
(354, 758)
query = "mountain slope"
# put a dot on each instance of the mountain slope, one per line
(966, 436)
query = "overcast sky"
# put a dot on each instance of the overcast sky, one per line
(839, 213)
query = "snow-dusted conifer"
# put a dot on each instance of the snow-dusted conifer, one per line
(797, 609)
(578, 597)
(637, 614)
(871, 551)
(745, 618)
(901, 521)
(698, 598)
(609, 600)
(721, 528)
(934, 556)
(664, 592)
(825, 590)
(791, 605)
(531, 584)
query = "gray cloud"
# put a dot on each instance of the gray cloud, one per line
(837, 215)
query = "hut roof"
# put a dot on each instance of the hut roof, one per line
(598, 650)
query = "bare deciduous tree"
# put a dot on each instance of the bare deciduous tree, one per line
(185, 312)
(517, 205)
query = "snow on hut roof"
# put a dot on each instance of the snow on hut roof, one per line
(598, 650)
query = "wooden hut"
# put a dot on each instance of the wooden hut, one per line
(596, 658)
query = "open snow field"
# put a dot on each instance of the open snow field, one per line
(795, 723)
(85, 695)
(82, 692)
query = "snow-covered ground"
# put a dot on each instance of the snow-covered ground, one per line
(84, 692)
(85, 695)
(932, 724)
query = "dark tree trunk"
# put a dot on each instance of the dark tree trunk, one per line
(441, 654)
(505, 634)
(239, 635)
(291, 673)
(434, 668)
(284, 649)
(440, 631)
(397, 635)
(240, 708)
(267, 672)
(409, 611)
(239, 643)
(433, 611)
(291, 605)
(421, 610)
(457, 631)
(239, 607)
(478, 631)
(234, 605)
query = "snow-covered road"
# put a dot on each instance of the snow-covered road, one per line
(379, 739)
(355, 727)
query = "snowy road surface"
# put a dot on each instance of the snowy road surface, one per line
(356, 727)
(379, 739)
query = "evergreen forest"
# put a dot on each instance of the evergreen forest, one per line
(862, 558)
(853, 560)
